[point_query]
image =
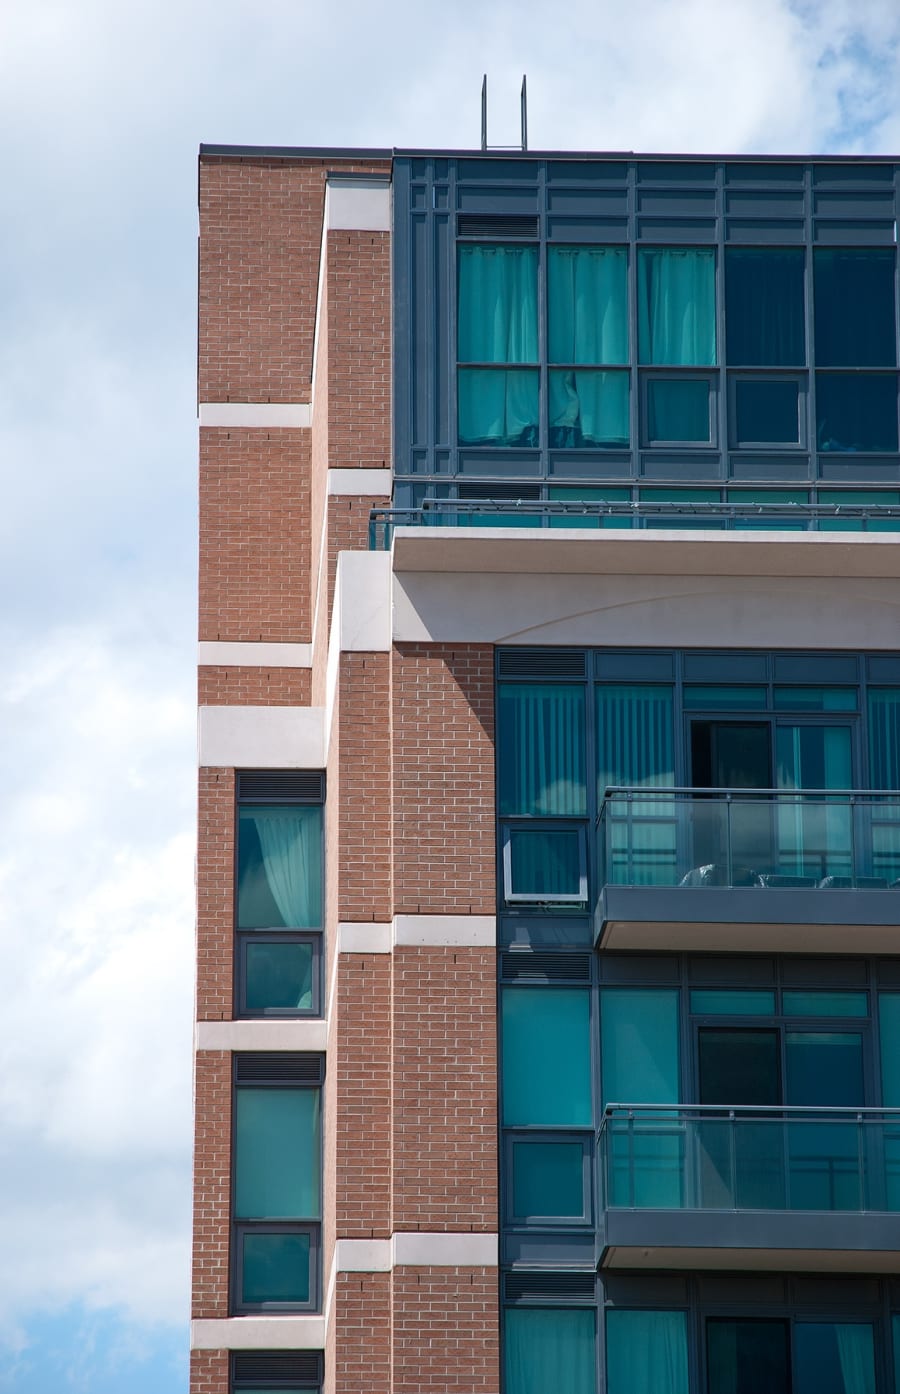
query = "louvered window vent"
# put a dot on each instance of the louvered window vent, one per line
(537, 1286)
(261, 786)
(541, 663)
(278, 1067)
(290, 1368)
(497, 225)
(546, 967)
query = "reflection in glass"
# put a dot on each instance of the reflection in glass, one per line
(546, 1056)
(540, 755)
(275, 1268)
(856, 411)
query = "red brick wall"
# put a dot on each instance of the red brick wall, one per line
(445, 1089)
(362, 1064)
(446, 1331)
(254, 535)
(209, 1372)
(260, 235)
(212, 1183)
(364, 854)
(215, 894)
(257, 687)
(361, 1355)
(359, 347)
(443, 713)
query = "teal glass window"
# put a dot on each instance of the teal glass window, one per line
(639, 1050)
(544, 864)
(854, 307)
(884, 737)
(277, 1151)
(589, 407)
(747, 1355)
(279, 975)
(546, 1057)
(825, 1003)
(497, 327)
(764, 312)
(834, 1357)
(549, 1349)
(719, 697)
(275, 1269)
(678, 410)
(889, 1037)
(590, 496)
(646, 1352)
(588, 305)
(766, 411)
(815, 699)
(677, 307)
(548, 1180)
(856, 411)
(540, 748)
(732, 1002)
(279, 857)
(635, 735)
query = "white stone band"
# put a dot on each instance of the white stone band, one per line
(262, 738)
(275, 415)
(229, 655)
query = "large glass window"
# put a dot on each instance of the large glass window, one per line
(546, 1057)
(588, 328)
(497, 327)
(854, 307)
(764, 308)
(279, 894)
(549, 1349)
(856, 411)
(277, 1184)
(646, 1352)
(540, 748)
(677, 306)
(783, 1357)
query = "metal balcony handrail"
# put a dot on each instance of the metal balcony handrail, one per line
(622, 793)
(775, 1113)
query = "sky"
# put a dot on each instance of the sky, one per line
(103, 106)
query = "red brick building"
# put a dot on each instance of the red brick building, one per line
(659, 536)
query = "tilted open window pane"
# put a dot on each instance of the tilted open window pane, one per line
(677, 307)
(277, 1154)
(540, 735)
(275, 1268)
(546, 1061)
(588, 305)
(764, 308)
(278, 975)
(546, 1350)
(544, 864)
(588, 407)
(678, 410)
(854, 307)
(279, 867)
(856, 411)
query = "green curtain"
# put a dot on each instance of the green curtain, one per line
(588, 407)
(646, 1352)
(677, 306)
(540, 748)
(546, 1056)
(588, 305)
(277, 1154)
(884, 737)
(549, 1350)
(497, 304)
(635, 735)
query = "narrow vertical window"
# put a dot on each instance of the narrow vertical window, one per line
(588, 334)
(646, 1352)
(497, 328)
(553, 1349)
(276, 1199)
(677, 306)
(279, 893)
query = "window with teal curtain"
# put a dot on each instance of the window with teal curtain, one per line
(540, 749)
(588, 407)
(588, 325)
(854, 307)
(497, 324)
(834, 1356)
(639, 1055)
(546, 1056)
(646, 1352)
(764, 308)
(635, 747)
(549, 1349)
(889, 1051)
(279, 856)
(883, 711)
(677, 306)
(277, 1154)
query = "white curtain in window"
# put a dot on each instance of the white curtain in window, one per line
(290, 843)
(857, 1357)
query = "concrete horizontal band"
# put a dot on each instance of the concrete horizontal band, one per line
(275, 415)
(226, 655)
(418, 931)
(270, 738)
(415, 1250)
(377, 483)
(261, 1035)
(357, 205)
(258, 1333)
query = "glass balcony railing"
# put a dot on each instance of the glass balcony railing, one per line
(818, 839)
(627, 515)
(662, 1157)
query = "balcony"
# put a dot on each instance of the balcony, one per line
(764, 1188)
(720, 870)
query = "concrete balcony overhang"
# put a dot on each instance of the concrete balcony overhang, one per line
(657, 551)
(752, 1240)
(755, 919)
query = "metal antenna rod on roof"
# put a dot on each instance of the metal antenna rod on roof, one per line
(523, 117)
